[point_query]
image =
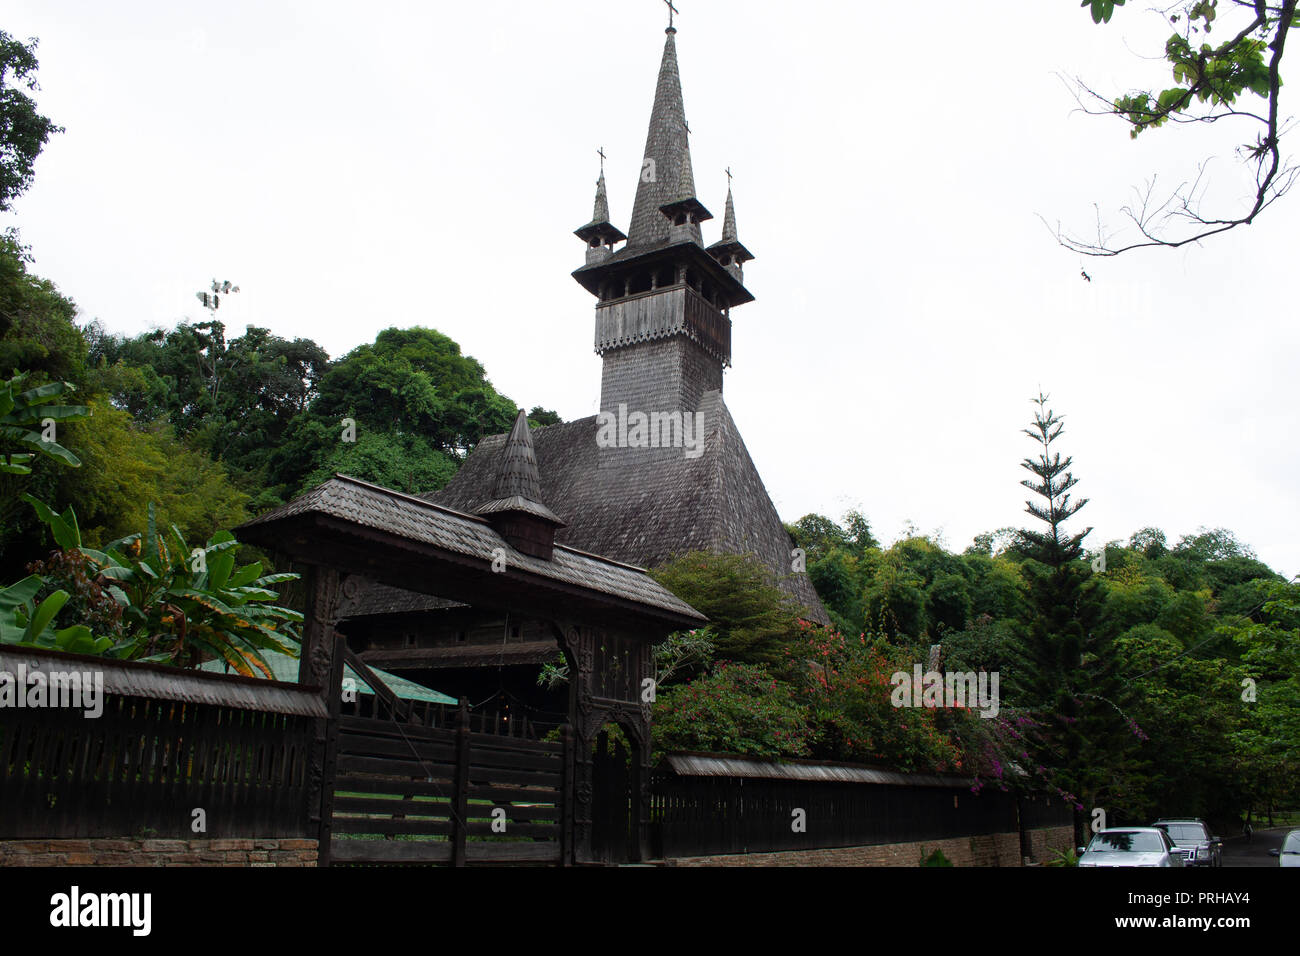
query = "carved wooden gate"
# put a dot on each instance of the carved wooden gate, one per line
(613, 838)
(610, 672)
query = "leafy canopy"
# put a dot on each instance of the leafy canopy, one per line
(23, 130)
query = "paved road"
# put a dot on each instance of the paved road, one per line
(1237, 852)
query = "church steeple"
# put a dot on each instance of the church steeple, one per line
(667, 150)
(663, 310)
(728, 250)
(600, 234)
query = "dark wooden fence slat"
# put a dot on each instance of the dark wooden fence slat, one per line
(391, 827)
(144, 765)
(397, 786)
(461, 799)
(407, 807)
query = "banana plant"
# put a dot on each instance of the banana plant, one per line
(184, 605)
(23, 415)
(25, 623)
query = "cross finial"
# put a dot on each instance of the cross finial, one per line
(671, 11)
(601, 151)
(688, 127)
(728, 177)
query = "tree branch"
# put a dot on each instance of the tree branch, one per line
(1273, 177)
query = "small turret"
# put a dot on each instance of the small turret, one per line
(514, 511)
(685, 212)
(728, 250)
(600, 234)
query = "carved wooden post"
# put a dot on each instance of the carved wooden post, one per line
(315, 670)
(587, 720)
(329, 755)
(320, 616)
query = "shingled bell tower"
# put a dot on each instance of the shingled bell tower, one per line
(663, 302)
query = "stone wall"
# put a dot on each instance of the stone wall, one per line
(997, 849)
(1043, 842)
(103, 852)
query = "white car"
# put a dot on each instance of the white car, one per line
(1131, 846)
(1289, 855)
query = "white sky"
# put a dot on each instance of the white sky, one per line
(355, 166)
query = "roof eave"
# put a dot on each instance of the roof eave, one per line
(589, 276)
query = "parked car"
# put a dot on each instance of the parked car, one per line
(1194, 835)
(1289, 855)
(1131, 846)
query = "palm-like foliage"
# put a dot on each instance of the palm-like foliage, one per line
(28, 624)
(21, 417)
(183, 605)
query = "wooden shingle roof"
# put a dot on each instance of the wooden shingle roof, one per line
(644, 506)
(345, 507)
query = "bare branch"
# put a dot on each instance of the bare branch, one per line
(1156, 221)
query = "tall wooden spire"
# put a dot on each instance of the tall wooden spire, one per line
(667, 150)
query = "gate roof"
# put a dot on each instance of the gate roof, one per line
(410, 543)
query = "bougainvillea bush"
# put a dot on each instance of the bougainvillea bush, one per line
(735, 709)
(847, 690)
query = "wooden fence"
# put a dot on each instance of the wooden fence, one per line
(709, 815)
(168, 742)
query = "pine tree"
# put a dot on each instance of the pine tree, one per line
(1072, 686)
(1053, 483)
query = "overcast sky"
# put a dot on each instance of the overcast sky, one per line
(356, 166)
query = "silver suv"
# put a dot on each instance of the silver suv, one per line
(1193, 837)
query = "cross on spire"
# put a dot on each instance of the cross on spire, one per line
(728, 177)
(671, 11)
(601, 151)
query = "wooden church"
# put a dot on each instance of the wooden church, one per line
(661, 471)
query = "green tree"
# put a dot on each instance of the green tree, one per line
(1268, 746)
(1069, 677)
(233, 399)
(404, 462)
(1189, 708)
(410, 390)
(894, 599)
(37, 332)
(23, 130)
(752, 619)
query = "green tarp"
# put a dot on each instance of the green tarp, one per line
(285, 668)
